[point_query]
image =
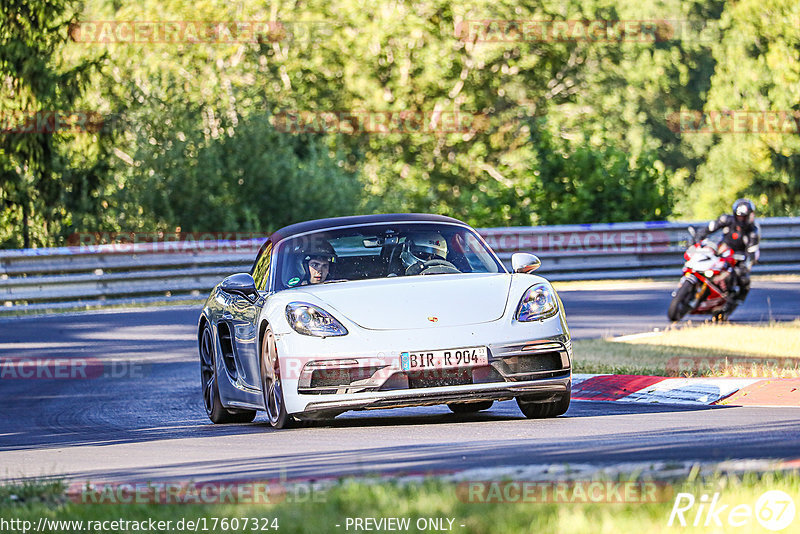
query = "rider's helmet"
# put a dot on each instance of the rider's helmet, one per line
(744, 211)
(422, 247)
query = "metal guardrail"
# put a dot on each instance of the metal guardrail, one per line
(634, 250)
(68, 277)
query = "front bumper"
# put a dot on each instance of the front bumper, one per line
(530, 359)
(513, 362)
(534, 390)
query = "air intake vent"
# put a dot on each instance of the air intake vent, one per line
(546, 361)
(226, 342)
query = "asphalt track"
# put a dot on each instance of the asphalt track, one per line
(148, 423)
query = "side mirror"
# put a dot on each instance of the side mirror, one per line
(240, 284)
(522, 262)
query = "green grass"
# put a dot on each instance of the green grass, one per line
(430, 499)
(33, 493)
(767, 350)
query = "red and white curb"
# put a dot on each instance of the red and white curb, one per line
(695, 391)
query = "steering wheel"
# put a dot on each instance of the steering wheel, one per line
(432, 267)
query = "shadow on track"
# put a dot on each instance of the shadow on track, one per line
(166, 405)
(679, 444)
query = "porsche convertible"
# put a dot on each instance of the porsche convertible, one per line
(382, 311)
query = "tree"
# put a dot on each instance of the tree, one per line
(758, 69)
(39, 186)
(563, 129)
(430, 56)
(590, 184)
(195, 147)
(250, 178)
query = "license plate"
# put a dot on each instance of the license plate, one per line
(439, 359)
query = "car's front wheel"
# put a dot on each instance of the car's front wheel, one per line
(271, 384)
(469, 407)
(542, 410)
(214, 408)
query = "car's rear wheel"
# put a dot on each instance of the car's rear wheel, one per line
(271, 384)
(214, 408)
(469, 407)
(542, 410)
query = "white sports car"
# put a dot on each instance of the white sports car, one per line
(382, 311)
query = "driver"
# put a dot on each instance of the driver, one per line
(422, 247)
(317, 263)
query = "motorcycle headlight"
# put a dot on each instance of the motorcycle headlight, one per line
(310, 320)
(538, 302)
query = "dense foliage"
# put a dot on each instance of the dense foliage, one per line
(560, 128)
(45, 176)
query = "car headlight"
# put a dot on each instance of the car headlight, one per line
(538, 302)
(310, 320)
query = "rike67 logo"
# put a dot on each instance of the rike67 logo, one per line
(774, 510)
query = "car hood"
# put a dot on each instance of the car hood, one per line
(427, 301)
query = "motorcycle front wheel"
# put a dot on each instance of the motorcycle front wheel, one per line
(680, 302)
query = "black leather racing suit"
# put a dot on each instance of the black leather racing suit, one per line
(743, 238)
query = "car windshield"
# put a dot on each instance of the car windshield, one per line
(381, 251)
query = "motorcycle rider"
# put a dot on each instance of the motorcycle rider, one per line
(742, 234)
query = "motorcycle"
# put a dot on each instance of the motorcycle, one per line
(708, 282)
